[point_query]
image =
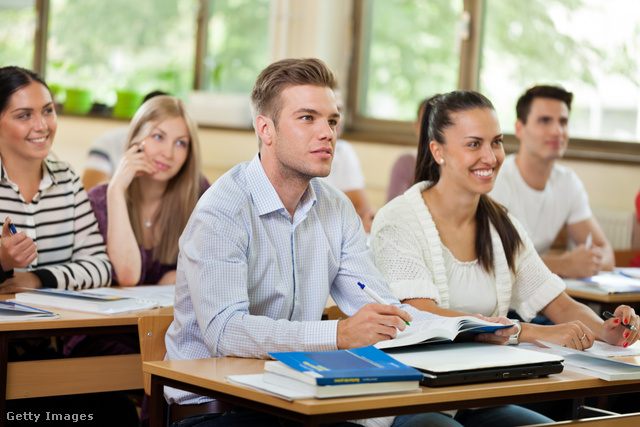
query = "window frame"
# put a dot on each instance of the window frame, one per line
(361, 128)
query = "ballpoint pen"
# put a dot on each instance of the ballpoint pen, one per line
(609, 315)
(587, 243)
(12, 230)
(375, 296)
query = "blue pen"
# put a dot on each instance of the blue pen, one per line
(375, 296)
(12, 230)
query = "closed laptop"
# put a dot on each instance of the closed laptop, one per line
(472, 362)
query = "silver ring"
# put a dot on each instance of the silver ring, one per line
(583, 335)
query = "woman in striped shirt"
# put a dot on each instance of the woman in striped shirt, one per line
(55, 241)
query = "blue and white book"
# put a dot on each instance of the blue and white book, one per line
(342, 367)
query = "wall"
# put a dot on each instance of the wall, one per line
(611, 186)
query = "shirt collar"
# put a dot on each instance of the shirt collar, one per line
(48, 177)
(265, 196)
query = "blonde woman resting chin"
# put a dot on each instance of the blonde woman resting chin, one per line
(152, 193)
(448, 248)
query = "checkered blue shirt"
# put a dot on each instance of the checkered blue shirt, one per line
(251, 279)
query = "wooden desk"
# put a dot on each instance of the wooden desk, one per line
(57, 377)
(593, 296)
(207, 377)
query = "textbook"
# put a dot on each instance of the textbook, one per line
(588, 363)
(14, 311)
(84, 301)
(290, 389)
(324, 374)
(441, 329)
(334, 368)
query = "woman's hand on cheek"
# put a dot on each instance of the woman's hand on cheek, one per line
(132, 164)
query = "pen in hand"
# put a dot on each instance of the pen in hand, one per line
(12, 230)
(587, 243)
(375, 296)
(608, 315)
(141, 147)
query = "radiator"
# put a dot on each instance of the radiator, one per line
(617, 226)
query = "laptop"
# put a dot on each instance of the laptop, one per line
(456, 363)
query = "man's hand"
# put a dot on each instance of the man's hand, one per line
(583, 262)
(16, 251)
(616, 334)
(371, 324)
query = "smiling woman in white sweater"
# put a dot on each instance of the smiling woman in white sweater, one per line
(446, 247)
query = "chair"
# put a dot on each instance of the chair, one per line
(151, 332)
(334, 313)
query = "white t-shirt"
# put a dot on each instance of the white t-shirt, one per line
(346, 173)
(107, 149)
(564, 200)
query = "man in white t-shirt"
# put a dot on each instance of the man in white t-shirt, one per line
(346, 174)
(545, 196)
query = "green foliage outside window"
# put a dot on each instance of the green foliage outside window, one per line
(411, 55)
(237, 46)
(104, 46)
(17, 27)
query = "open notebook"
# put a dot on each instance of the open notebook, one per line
(472, 362)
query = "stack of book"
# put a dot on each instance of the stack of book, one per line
(324, 374)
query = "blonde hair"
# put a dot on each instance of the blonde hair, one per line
(183, 190)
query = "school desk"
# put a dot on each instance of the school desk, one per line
(57, 377)
(207, 377)
(601, 300)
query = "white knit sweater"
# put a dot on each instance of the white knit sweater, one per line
(408, 252)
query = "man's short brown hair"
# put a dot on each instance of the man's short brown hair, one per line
(265, 97)
(523, 107)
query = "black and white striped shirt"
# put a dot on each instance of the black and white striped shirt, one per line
(71, 251)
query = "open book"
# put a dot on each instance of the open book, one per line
(84, 301)
(439, 330)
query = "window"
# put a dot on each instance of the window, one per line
(148, 45)
(411, 55)
(106, 47)
(409, 49)
(237, 44)
(17, 30)
(548, 41)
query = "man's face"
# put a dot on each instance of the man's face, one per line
(305, 136)
(546, 133)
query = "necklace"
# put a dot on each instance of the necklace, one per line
(148, 223)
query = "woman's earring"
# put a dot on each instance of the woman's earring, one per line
(442, 161)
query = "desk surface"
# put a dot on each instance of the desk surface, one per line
(64, 376)
(584, 291)
(210, 374)
(77, 319)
